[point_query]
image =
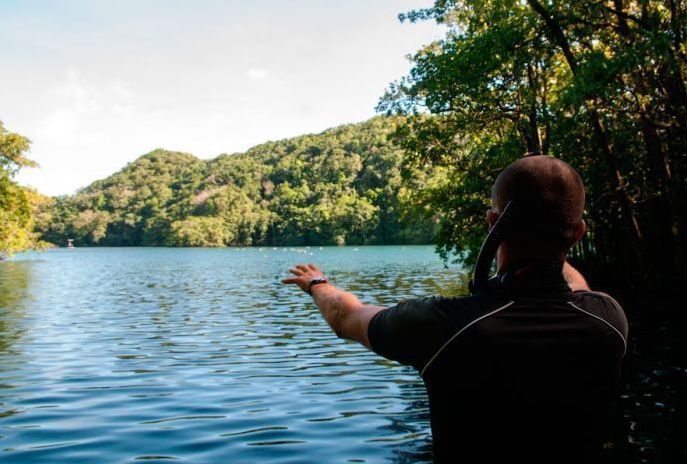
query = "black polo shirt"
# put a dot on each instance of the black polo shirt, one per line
(524, 373)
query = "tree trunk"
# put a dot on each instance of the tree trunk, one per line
(664, 217)
(532, 113)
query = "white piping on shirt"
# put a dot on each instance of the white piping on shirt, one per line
(422, 373)
(609, 297)
(605, 322)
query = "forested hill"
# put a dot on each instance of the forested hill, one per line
(342, 186)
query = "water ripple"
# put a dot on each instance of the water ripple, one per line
(124, 355)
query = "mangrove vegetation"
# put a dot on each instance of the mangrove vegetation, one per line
(599, 84)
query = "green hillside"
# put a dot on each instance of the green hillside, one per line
(343, 186)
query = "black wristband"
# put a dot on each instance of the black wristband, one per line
(319, 280)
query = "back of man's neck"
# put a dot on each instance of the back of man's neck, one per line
(508, 259)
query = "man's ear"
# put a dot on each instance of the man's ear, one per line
(580, 231)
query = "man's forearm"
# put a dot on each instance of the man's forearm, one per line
(334, 304)
(344, 312)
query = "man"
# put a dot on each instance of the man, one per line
(524, 371)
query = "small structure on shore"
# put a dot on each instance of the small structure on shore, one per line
(70, 243)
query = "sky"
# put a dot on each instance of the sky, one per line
(96, 84)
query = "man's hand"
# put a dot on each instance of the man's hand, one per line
(344, 313)
(574, 278)
(304, 273)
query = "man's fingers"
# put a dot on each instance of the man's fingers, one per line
(300, 270)
(297, 271)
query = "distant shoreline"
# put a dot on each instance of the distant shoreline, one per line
(262, 247)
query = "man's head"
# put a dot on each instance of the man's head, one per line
(550, 193)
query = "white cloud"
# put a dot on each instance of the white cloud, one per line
(84, 110)
(257, 74)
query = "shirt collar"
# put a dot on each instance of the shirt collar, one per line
(534, 277)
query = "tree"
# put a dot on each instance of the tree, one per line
(197, 231)
(599, 84)
(16, 203)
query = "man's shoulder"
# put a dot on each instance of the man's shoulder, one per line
(421, 309)
(415, 329)
(595, 297)
(451, 313)
(452, 303)
(604, 307)
(473, 306)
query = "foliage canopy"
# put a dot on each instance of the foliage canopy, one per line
(18, 205)
(598, 84)
(343, 186)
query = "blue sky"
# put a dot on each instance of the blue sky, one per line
(95, 84)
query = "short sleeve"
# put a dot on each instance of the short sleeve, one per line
(606, 308)
(406, 332)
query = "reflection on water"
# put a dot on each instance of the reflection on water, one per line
(14, 282)
(650, 417)
(119, 355)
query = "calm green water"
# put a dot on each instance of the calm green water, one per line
(201, 355)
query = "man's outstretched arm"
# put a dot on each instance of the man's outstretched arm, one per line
(575, 279)
(344, 313)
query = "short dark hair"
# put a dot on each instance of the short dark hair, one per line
(550, 192)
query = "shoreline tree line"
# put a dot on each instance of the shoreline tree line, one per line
(342, 186)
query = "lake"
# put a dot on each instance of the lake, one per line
(202, 355)
(115, 355)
